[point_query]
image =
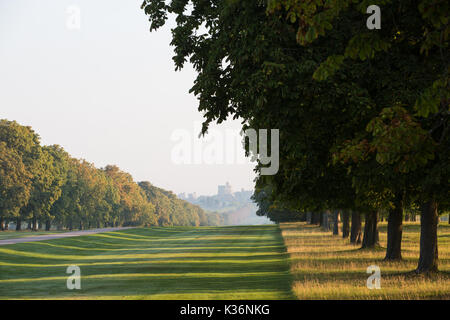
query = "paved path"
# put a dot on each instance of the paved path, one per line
(60, 235)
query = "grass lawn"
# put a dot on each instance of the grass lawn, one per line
(328, 267)
(245, 262)
(152, 263)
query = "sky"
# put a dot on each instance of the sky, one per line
(89, 76)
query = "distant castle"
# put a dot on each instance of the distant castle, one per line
(225, 197)
(224, 189)
(234, 207)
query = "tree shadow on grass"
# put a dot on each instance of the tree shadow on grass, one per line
(252, 260)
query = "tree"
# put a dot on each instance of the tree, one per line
(355, 231)
(267, 82)
(387, 113)
(411, 132)
(395, 230)
(171, 211)
(345, 224)
(371, 235)
(68, 206)
(60, 171)
(134, 207)
(45, 184)
(45, 187)
(25, 142)
(272, 211)
(14, 184)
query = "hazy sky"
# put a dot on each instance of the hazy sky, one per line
(107, 92)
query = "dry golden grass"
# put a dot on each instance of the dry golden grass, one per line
(329, 267)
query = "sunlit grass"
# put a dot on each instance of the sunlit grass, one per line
(152, 263)
(329, 267)
(219, 263)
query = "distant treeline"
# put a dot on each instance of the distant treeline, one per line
(44, 185)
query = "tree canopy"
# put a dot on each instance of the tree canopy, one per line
(44, 185)
(363, 114)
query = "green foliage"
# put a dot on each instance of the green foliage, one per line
(171, 211)
(329, 67)
(14, 182)
(274, 212)
(433, 99)
(45, 184)
(399, 139)
(349, 140)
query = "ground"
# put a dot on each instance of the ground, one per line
(293, 260)
(4, 235)
(9, 237)
(152, 263)
(329, 267)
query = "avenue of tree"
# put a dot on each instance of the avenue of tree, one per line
(45, 186)
(363, 114)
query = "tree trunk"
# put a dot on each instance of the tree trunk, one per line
(370, 238)
(302, 217)
(428, 261)
(309, 217)
(18, 224)
(48, 225)
(336, 222)
(407, 217)
(2, 224)
(6, 225)
(323, 221)
(29, 225)
(345, 224)
(326, 220)
(394, 231)
(355, 231)
(315, 219)
(34, 227)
